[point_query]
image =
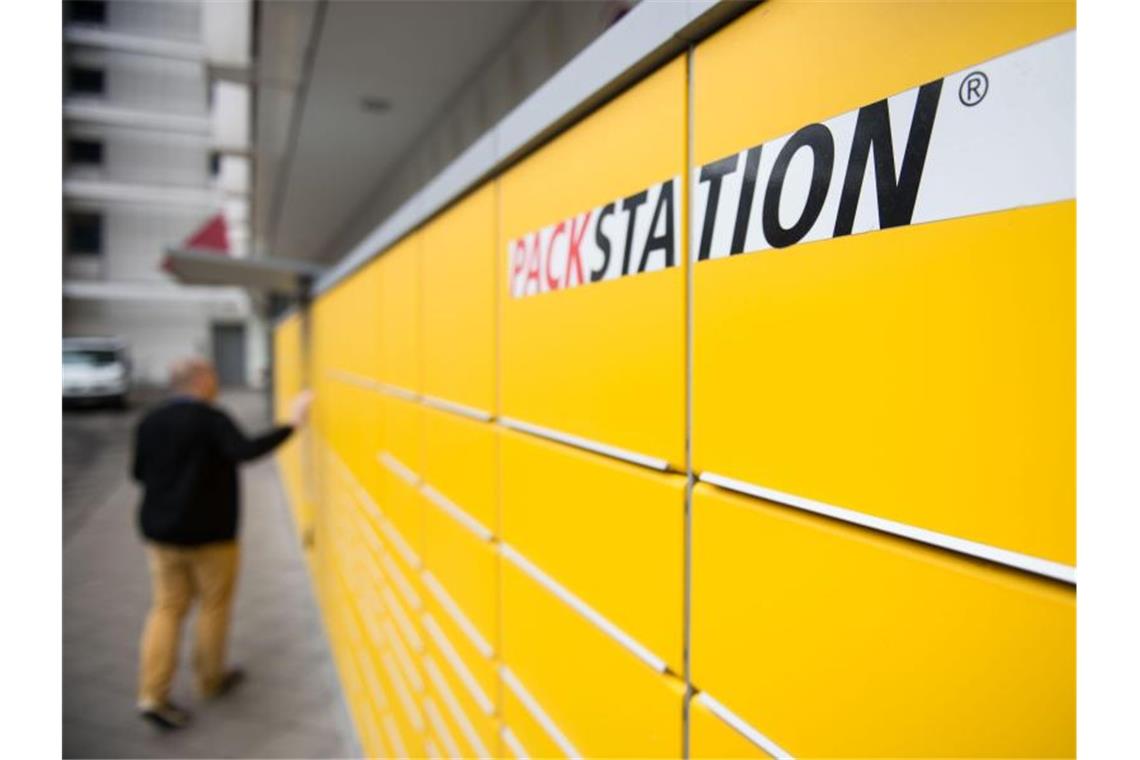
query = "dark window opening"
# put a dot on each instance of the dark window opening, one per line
(84, 152)
(83, 80)
(215, 163)
(84, 233)
(87, 11)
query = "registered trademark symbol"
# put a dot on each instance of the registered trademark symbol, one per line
(973, 88)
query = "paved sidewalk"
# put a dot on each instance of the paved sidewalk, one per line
(291, 705)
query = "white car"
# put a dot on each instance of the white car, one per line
(96, 370)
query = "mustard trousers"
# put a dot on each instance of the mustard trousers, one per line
(179, 576)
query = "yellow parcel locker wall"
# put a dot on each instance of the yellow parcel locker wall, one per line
(459, 302)
(895, 342)
(602, 360)
(868, 645)
(922, 372)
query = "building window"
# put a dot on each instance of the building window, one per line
(84, 152)
(84, 80)
(215, 164)
(87, 11)
(84, 233)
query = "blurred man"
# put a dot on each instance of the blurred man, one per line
(186, 456)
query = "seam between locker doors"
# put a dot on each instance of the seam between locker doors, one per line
(687, 541)
(1035, 565)
(496, 409)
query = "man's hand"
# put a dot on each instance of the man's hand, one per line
(300, 412)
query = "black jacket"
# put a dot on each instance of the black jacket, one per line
(186, 457)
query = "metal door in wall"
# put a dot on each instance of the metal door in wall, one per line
(229, 353)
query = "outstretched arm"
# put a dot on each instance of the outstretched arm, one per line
(236, 446)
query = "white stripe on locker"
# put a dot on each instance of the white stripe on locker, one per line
(405, 696)
(745, 730)
(398, 468)
(352, 379)
(402, 619)
(452, 705)
(402, 546)
(513, 743)
(400, 581)
(466, 677)
(397, 391)
(456, 408)
(535, 709)
(585, 443)
(404, 657)
(1036, 565)
(456, 512)
(390, 530)
(583, 609)
(376, 737)
(371, 614)
(373, 541)
(452, 609)
(440, 728)
(392, 729)
(370, 505)
(379, 697)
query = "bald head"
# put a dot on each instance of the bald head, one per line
(194, 376)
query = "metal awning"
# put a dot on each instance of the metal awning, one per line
(207, 267)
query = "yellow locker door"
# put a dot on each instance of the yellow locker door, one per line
(465, 563)
(400, 362)
(592, 297)
(460, 463)
(459, 302)
(868, 645)
(600, 697)
(611, 533)
(884, 313)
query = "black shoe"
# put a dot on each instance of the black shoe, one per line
(166, 716)
(231, 679)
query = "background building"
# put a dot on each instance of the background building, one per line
(156, 147)
(302, 124)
